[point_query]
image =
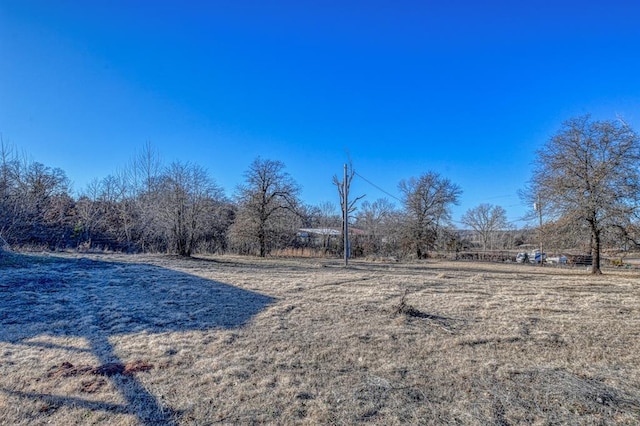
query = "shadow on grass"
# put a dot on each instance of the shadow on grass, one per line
(96, 300)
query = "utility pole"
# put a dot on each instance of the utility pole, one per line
(538, 207)
(345, 216)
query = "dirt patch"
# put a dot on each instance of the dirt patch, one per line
(66, 369)
(93, 385)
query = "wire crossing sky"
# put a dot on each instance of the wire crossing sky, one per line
(467, 89)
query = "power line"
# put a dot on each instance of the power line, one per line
(376, 186)
(389, 194)
(501, 196)
(450, 220)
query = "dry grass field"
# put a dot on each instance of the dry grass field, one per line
(115, 339)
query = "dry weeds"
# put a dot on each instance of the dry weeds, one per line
(160, 340)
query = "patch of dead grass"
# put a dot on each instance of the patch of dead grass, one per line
(424, 343)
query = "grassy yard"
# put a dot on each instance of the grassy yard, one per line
(115, 339)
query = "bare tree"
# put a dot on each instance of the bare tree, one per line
(44, 203)
(427, 206)
(143, 176)
(125, 208)
(35, 205)
(589, 172)
(187, 198)
(9, 184)
(267, 192)
(325, 215)
(627, 235)
(178, 208)
(372, 215)
(145, 169)
(486, 220)
(88, 214)
(374, 218)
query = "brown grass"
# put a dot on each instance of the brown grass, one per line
(238, 340)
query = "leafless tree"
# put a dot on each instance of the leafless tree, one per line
(35, 205)
(486, 220)
(125, 208)
(9, 193)
(145, 169)
(374, 219)
(268, 192)
(188, 197)
(325, 215)
(43, 203)
(104, 215)
(178, 208)
(116, 201)
(589, 173)
(143, 176)
(427, 206)
(627, 235)
(373, 215)
(88, 214)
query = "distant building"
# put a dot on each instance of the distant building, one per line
(318, 236)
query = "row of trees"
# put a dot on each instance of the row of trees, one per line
(586, 185)
(146, 206)
(178, 208)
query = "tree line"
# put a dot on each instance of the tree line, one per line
(586, 180)
(178, 208)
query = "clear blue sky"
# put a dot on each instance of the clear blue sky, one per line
(467, 89)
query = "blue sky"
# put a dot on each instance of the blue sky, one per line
(467, 89)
